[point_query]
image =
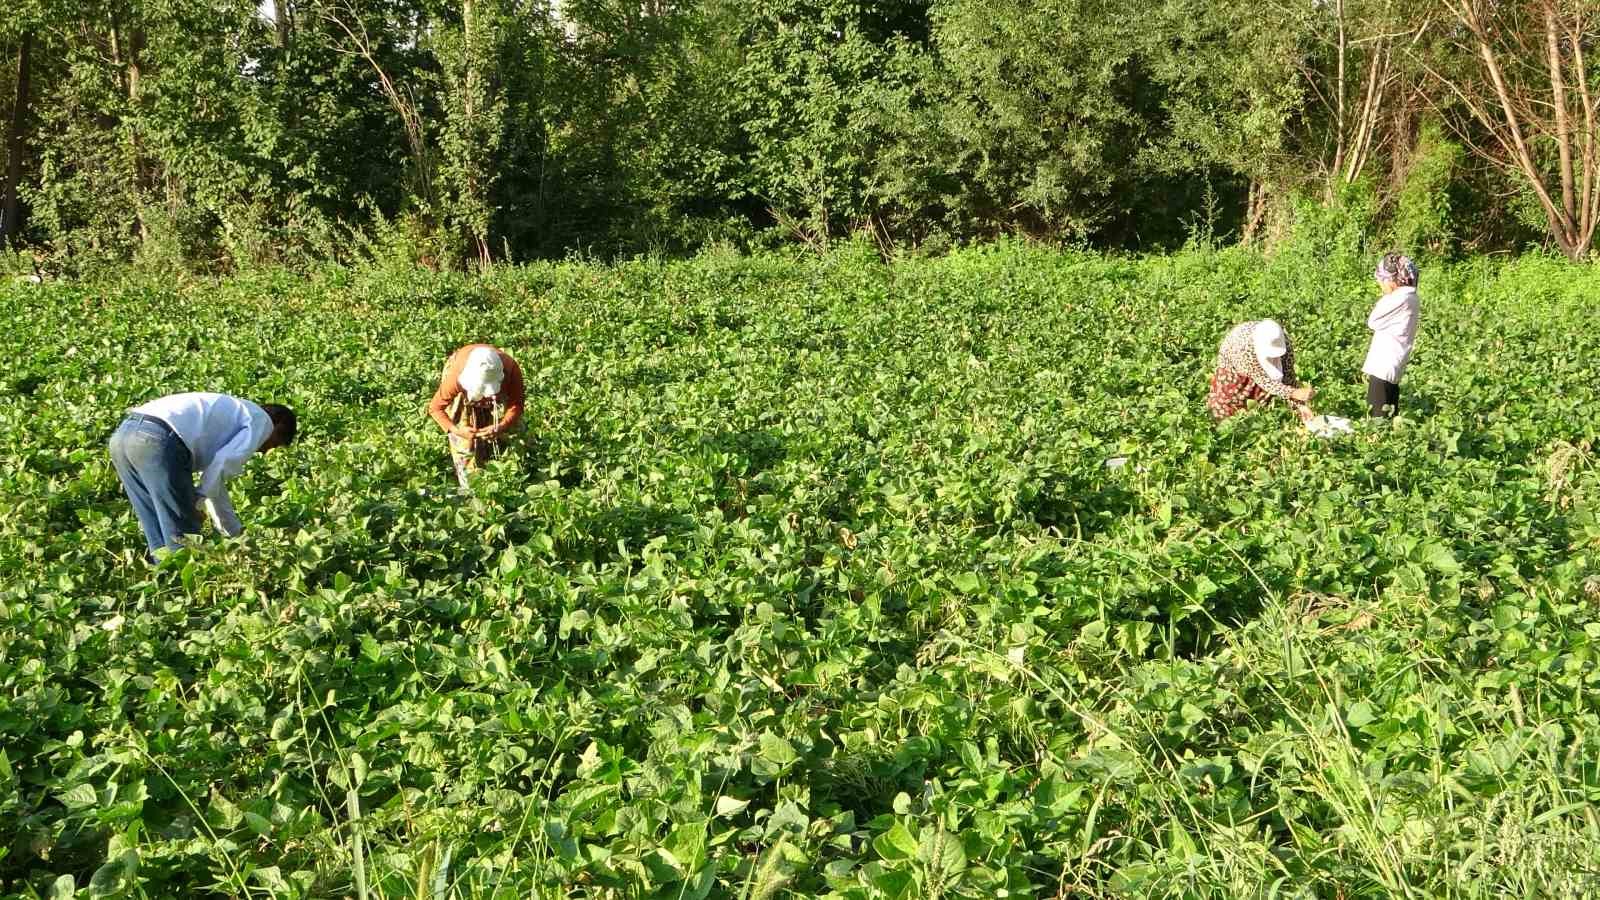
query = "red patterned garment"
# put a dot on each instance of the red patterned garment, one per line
(1239, 377)
(1231, 391)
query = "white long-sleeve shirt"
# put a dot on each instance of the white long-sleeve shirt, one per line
(221, 432)
(1394, 329)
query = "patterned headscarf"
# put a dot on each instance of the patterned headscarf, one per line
(1398, 269)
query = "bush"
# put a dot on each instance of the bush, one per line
(1424, 221)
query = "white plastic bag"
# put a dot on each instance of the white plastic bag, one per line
(1328, 426)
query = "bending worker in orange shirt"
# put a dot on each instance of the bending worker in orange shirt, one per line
(479, 399)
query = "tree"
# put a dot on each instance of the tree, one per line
(1297, 96)
(1522, 76)
(11, 222)
(402, 96)
(1027, 115)
(806, 96)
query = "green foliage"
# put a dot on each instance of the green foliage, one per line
(1234, 89)
(646, 153)
(1424, 219)
(217, 138)
(809, 578)
(1335, 233)
(806, 100)
(1021, 116)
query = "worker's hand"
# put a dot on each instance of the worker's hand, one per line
(463, 432)
(1302, 394)
(489, 432)
(1304, 412)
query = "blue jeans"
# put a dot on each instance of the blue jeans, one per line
(153, 464)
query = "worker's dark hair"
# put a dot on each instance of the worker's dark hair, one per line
(283, 421)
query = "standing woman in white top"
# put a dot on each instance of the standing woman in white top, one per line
(1394, 328)
(160, 445)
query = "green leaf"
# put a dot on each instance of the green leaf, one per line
(788, 816)
(1439, 558)
(1178, 840)
(942, 851)
(777, 750)
(258, 823)
(222, 813)
(896, 844)
(664, 867)
(79, 798)
(271, 878)
(896, 884)
(730, 806)
(115, 876)
(282, 728)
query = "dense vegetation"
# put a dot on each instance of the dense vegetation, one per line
(811, 578)
(234, 134)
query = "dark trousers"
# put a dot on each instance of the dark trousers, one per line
(153, 465)
(1383, 397)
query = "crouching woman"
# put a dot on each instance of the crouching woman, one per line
(1256, 363)
(479, 400)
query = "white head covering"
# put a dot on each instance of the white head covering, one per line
(482, 374)
(1270, 345)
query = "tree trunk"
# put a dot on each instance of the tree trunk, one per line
(1509, 131)
(280, 22)
(1339, 110)
(11, 201)
(1360, 147)
(125, 55)
(1558, 89)
(402, 103)
(283, 38)
(473, 179)
(1255, 212)
(1589, 191)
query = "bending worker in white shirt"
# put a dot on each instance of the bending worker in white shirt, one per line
(160, 445)
(1394, 330)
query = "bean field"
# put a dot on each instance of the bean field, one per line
(812, 577)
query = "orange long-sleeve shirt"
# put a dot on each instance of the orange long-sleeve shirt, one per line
(511, 395)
